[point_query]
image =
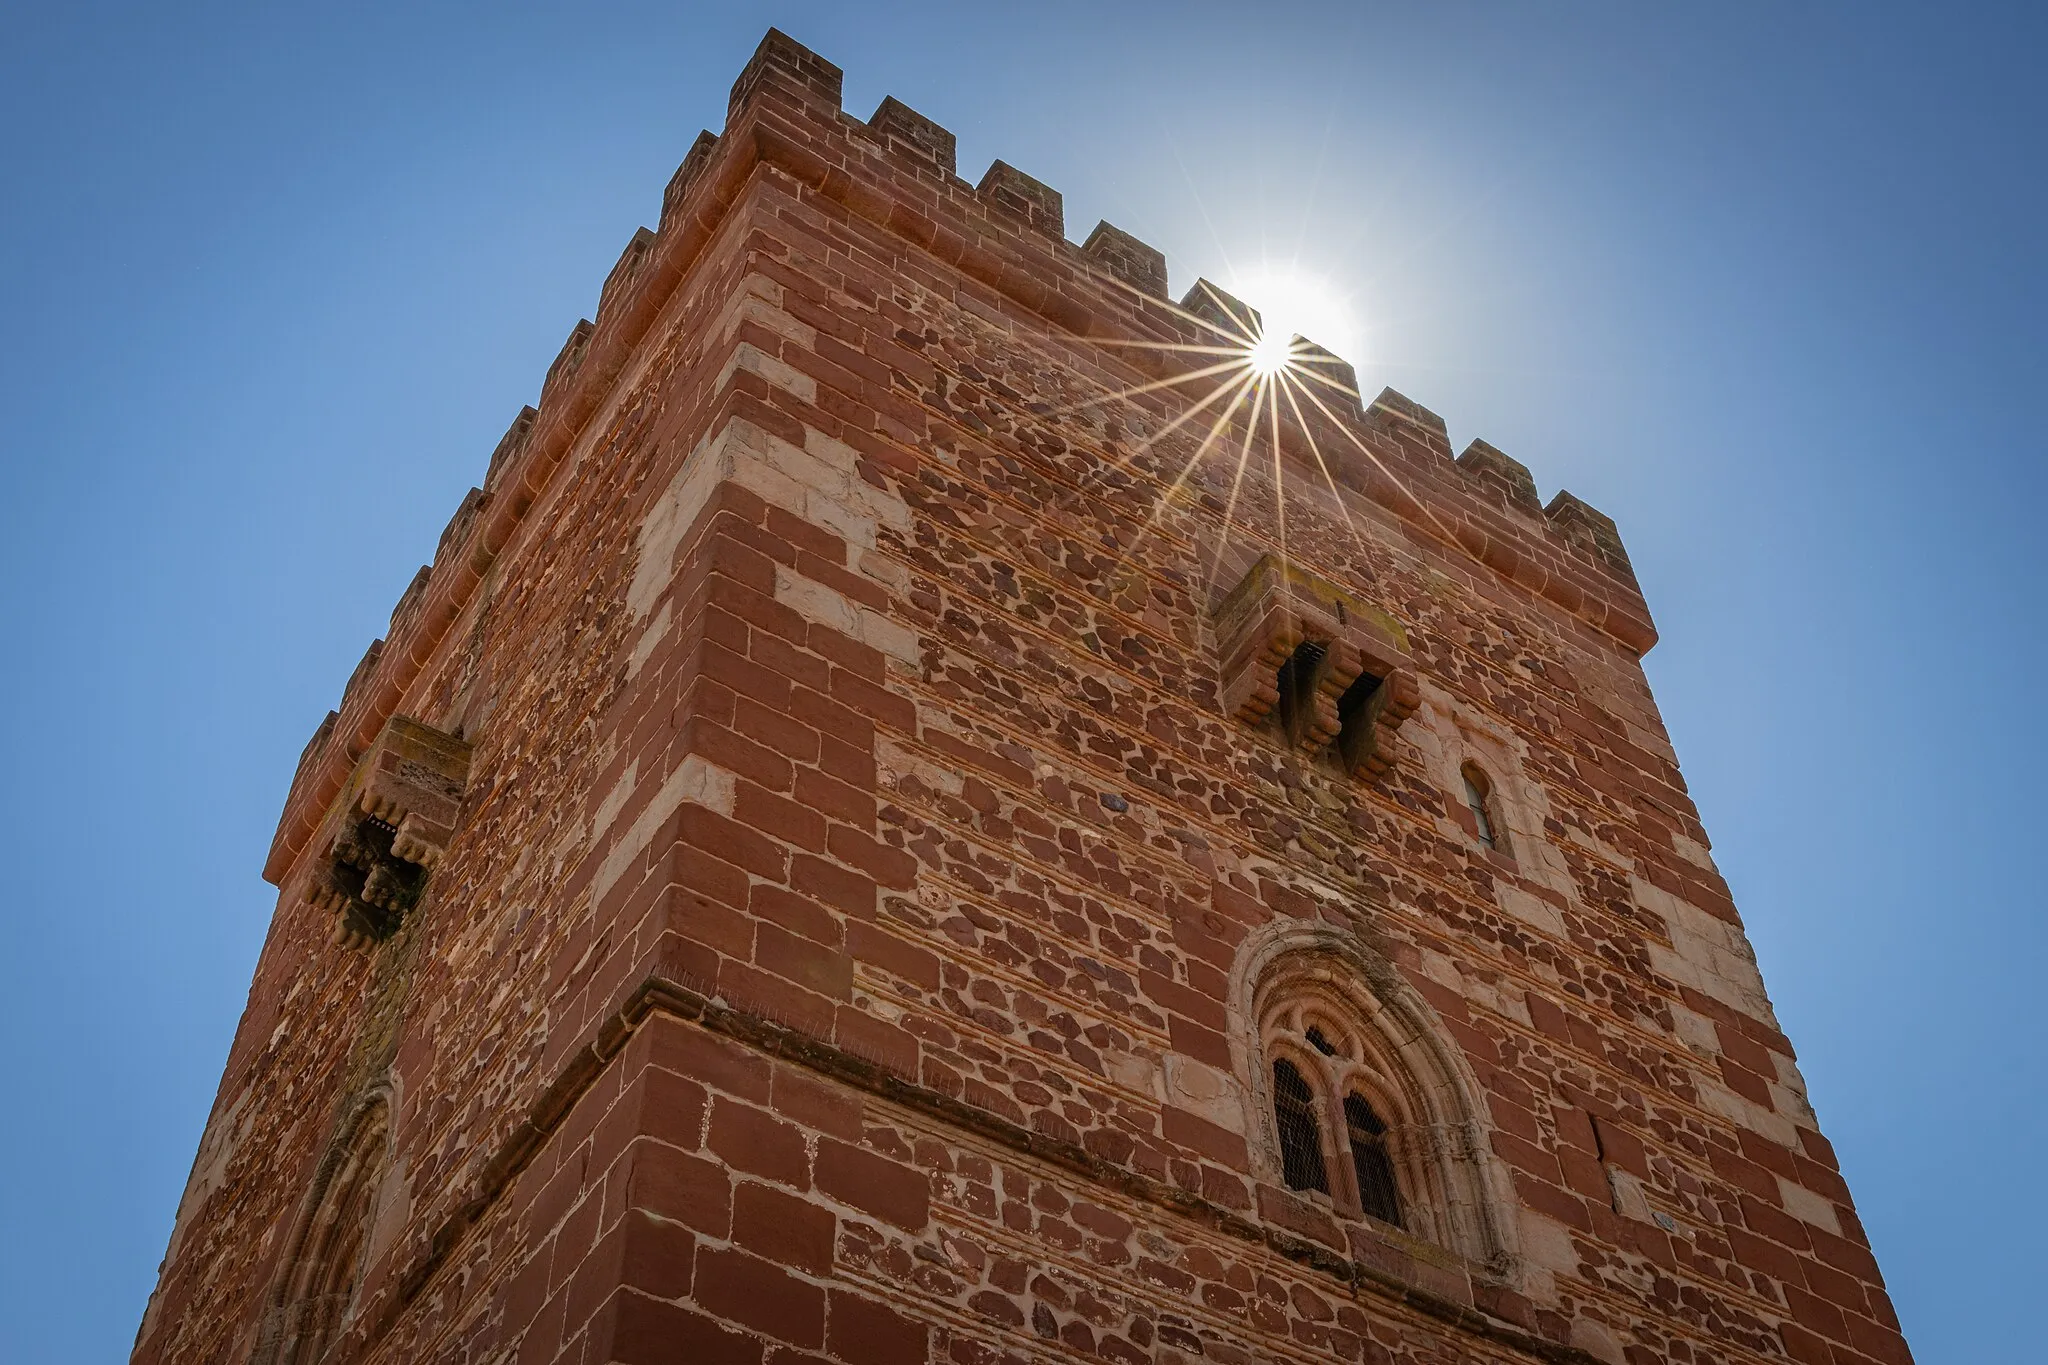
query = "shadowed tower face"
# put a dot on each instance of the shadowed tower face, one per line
(938, 804)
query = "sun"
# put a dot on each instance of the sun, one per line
(1270, 353)
(1293, 303)
(1259, 385)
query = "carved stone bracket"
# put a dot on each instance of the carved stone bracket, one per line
(388, 829)
(1333, 670)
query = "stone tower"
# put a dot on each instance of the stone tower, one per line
(903, 824)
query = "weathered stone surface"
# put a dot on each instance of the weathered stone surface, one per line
(870, 911)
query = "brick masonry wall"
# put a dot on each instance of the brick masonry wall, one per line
(841, 953)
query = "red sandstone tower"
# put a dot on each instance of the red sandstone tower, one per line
(862, 847)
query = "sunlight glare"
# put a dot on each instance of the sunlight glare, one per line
(1269, 353)
(1295, 303)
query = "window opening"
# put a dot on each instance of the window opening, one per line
(340, 1260)
(1478, 793)
(1320, 1043)
(1355, 718)
(1295, 680)
(1377, 1194)
(1301, 1143)
(331, 1259)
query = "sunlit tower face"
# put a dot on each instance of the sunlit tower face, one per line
(1253, 378)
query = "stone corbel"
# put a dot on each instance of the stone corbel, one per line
(1332, 670)
(388, 829)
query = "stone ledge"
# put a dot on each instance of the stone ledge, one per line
(657, 994)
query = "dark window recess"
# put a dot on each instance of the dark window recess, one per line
(1296, 683)
(1320, 1043)
(1376, 1192)
(1301, 1143)
(1357, 709)
(1478, 793)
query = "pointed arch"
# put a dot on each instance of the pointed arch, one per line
(1404, 1129)
(330, 1244)
(1487, 826)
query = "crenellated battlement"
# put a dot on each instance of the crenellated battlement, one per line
(897, 170)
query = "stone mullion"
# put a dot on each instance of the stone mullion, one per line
(1621, 1079)
(525, 616)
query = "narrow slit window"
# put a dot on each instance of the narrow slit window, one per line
(1377, 1194)
(1479, 798)
(1294, 681)
(1355, 712)
(1301, 1140)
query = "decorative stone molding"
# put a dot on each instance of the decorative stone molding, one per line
(1334, 669)
(1291, 975)
(314, 1297)
(388, 829)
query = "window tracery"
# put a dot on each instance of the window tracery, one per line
(1324, 1113)
(1364, 1102)
(317, 1292)
(1301, 1135)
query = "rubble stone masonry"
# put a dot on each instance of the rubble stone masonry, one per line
(842, 852)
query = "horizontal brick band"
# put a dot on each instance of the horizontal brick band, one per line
(658, 995)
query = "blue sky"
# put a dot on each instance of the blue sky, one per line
(1765, 283)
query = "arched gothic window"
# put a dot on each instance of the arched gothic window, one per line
(1324, 1117)
(1301, 1135)
(318, 1290)
(1479, 800)
(1363, 1099)
(1378, 1194)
